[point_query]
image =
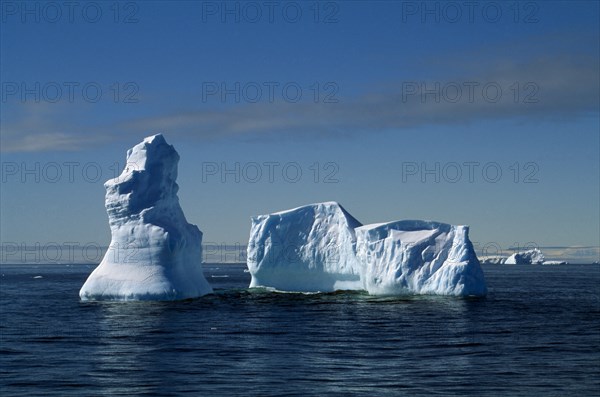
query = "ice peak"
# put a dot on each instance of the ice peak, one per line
(148, 180)
(153, 148)
(156, 138)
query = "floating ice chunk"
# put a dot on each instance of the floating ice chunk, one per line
(419, 257)
(154, 254)
(321, 247)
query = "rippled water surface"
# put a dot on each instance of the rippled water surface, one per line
(537, 333)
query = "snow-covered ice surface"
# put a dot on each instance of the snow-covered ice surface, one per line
(419, 257)
(154, 254)
(530, 257)
(321, 247)
(306, 249)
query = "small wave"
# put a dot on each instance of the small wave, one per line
(38, 277)
(223, 276)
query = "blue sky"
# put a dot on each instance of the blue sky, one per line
(370, 94)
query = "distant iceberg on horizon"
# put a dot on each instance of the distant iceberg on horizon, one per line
(154, 254)
(529, 257)
(321, 247)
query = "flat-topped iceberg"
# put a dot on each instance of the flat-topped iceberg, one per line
(321, 247)
(308, 249)
(529, 257)
(154, 254)
(422, 257)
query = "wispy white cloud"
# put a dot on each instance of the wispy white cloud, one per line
(45, 127)
(562, 86)
(36, 142)
(542, 88)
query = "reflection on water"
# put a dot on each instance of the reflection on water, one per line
(125, 352)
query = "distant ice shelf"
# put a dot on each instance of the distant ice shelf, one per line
(555, 263)
(493, 260)
(528, 257)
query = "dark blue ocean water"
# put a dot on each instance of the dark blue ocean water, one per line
(537, 333)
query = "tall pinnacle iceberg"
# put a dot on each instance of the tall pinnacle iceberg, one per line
(154, 254)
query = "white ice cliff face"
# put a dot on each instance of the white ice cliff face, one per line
(419, 257)
(154, 254)
(306, 249)
(321, 247)
(530, 257)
